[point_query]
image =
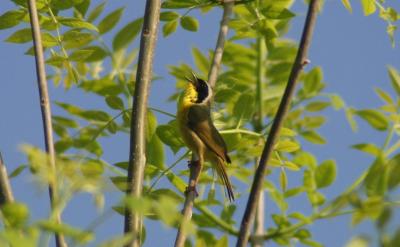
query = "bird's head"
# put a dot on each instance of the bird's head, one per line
(201, 89)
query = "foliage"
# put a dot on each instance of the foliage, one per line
(91, 51)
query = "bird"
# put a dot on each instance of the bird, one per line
(199, 133)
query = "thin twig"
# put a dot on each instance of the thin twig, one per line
(258, 127)
(137, 150)
(298, 65)
(6, 195)
(219, 48)
(212, 79)
(45, 109)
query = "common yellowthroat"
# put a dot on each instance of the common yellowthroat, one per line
(199, 132)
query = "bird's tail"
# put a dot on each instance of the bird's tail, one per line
(220, 167)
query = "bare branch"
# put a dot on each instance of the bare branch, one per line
(6, 195)
(137, 150)
(45, 107)
(219, 48)
(298, 65)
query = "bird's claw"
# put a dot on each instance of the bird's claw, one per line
(191, 189)
(192, 163)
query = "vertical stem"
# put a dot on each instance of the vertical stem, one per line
(45, 109)
(258, 126)
(137, 150)
(6, 195)
(212, 79)
(298, 65)
(219, 48)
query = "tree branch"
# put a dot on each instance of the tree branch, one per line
(6, 195)
(258, 127)
(212, 79)
(219, 48)
(137, 150)
(299, 63)
(45, 108)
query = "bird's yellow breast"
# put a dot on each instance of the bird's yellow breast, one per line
(188, 97)
(186, 100)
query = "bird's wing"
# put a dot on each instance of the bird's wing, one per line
(199, 121)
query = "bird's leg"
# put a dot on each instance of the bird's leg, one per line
(195, 167)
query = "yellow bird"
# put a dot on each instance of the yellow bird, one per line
(200, 134)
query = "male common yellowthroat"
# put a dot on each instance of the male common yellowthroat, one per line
(199, 132)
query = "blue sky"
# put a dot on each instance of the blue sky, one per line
(353, 51)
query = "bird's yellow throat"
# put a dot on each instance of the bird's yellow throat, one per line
(189, 97)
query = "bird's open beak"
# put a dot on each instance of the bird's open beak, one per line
(192, 80)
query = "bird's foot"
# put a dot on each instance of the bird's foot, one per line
(191, 188)
(193, 163)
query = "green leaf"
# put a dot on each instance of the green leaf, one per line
(384, 96)
(287, 146)
(223, 242)
(311, 243)
(375, 118)
(347, 5)
(65, 122)
(120, 182)
(243, 108)
(227, 212)
(96, 12)
(115, 102)
(20, 36)
(390, 30)
(395, 79)
(293, 192)
(287, 132)
(369, 148)
(394, 171)
(305, 159)
(11, 18)
(274, 12)
(168, 16)
(313, 81)
(103, 86)
(266, 28)
(127, 34)
(77, 234)
(49, 40)
(317, 106)
(177, 182)
(169, 28)
(189, 23)
(177, 4)
(170, 136)
(376, 181)
(77, 23)
(313, 137)
(350, 119)
(74, 38)
(155, 152)
(200, 60)
(80, 55)
(17, 171)
(358, 241)
(325, 174)
(15, 214)
(97, 53)
(368, 6)
(283, 180)
(110, 21)
(337, 102)
(83, 7)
